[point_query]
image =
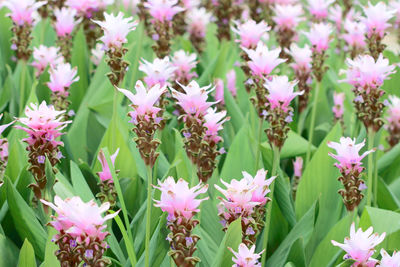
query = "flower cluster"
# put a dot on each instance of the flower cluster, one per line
(297, 172)
(338, 108)
(197, 20)
(184, 63)
(81, 235)
(107, 190)
(223, 13)
(3, 150)
(250, 33)
(393, 120)
(350, 168)
(64, 25)
(355, 37)
(160, 71)
(245, 198)
(116, 28)
(181, 204)
(319, 9)
(246, 257)
(44, 56)
(43, 126)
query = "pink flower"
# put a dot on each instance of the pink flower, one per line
(302, 58)
(83, 7)
(65, 21)
(178, 199)
(348, 154)
(338, 99)
(365, 72)
(393, 111)
(261, 186)
(213, 124)
(319, 36)
(116, 28)
(97, 54)
(131, 5)
(288, 16)
(246, 257)
(44, 56)
(42, 122)
(197, 20)
(377, 17)
(231, 82)
(194, 100)
(360, 246)
(250, 32)
(389, 261)
(355, 34)
(160, 71)
(336, 15)
(319, 8)
(79, 219)
(143, 101)
(22, 10)
(61, 78)
(298, 166)
(184, 63)
(105, 174)
(219, 91)
(262, 60)
(163, 10)
(280, 92)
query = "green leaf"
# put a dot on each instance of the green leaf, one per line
(346, 263)
(81, 188)
(232, 239)
(8, 252)
(50, 259)
(26, 255)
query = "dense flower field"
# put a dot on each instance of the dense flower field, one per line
(199, 133)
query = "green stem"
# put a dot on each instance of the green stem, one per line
(194, 175)
(375, 179)
(148, 216)
(258, 152)
(371, 135)
(114, 114)
(275, 165)
(312, 124)
(22, 87)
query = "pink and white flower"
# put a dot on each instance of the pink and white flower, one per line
(302, 57)
(84, 8)
(178, 199)
(360, 246)
(97, 54)
(105, 174)
(246, 257)
(45, 56)
(261, 186)
(163, 10)
(348, 154)
(65, 21)
(61, 78)
(288, 16)
(319, 8)
(194, 100)
(336, 15)
(213, 121)
(262, 60)
(131, 5)
(144, 100)
(184, 63)
(219, 91)
(22, 10)
(280, 92)
(338, 108)
(197, 20)
(298, 166)
(355, 34)
(116, 28)
(231, 82)
(159, 71)
(319, 36)
(389, 261)
(250, 32)
(377, 18)
(393, 111)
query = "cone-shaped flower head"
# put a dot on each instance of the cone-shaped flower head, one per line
(79, 219)
(360, 246)
(65, 21)
(143, 101)
(105, 173)
(280, 92)
(250, 32)
(213, 123)
(262, 60)
(184, 62)
(163, 10)
(364, 71)
(336, 15)
(319, 8)
(160, 71)
(338, 99)
(194, 100)
(298, 166)
(83, 7)
(178, 199)
(231, 82)
(302, 57)
(319, 36)
(355, 33)
(348, 154)
(377, 18)
(44, 56)
(22, 10)
(261, 183)
(246, 257)
(116, 28)
(389, 261)
(61, 77)
(394, 111)
(197, 20)
(288, 16)
(42, 122)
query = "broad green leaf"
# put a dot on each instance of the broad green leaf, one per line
(81, 188)
(8, 252)
(50, 259)
(26, 255)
